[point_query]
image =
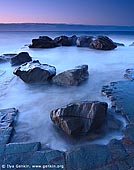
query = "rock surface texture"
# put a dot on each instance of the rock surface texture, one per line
(65, 41)
(34, 71)
(80, 118)
(84, 41)
(72, 77)
(7, 117)
(102, 43)
(20, 58)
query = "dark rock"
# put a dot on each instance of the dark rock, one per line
(20, 58)
(14, 148)
(129, 74)
(6, 57)
(72, 77)
(17, 159)
(132, 44)
(129, 146)
(88, 157)
(43, 42)
(34, 71)
(80, 118)
(7, 117)
(122, 165)
(46, 38)
(84, 41)
(5, 134)
(108, 167)
(113, 123)
(119, 44)
(117, 150)
(129, 132)
(65, 41)
(49, 158)
(102, 43)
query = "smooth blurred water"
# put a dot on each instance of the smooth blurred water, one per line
(35, 102)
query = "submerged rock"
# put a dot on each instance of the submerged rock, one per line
(65, 41)
(20, 58)
(119, 44)
(6, 57)
(84, 41)
(102, 43)
(34, 71)
(132, 44)
(43, 42)
(80, 118)
(129, 74)
(72, 77)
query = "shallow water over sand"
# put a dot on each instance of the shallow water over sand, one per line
(36, 101)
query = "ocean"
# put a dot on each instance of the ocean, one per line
(35, 102)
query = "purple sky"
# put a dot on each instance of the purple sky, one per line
(94, 12)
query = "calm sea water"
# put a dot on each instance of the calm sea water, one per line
(36, 101)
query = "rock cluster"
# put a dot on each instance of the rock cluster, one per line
(34, 72)
(80, 118)
(99, 42)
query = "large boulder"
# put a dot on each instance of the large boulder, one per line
(65, 41)
(34, 71)
(80, 118)
(43, 42)
(72, 77)
(84, 41)
(102, 43)
(20, 58)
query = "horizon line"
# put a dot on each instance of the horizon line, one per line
(74, 24)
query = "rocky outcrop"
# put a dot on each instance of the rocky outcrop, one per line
(7, 117)
(102, 43)
(132, 44)
(34, 71)
(20, 58)
(119, 44)
(43, 42)
(72, 77)
(84, 41)
(80, 118)
(65, 41)
(129, 74)
(6, 57)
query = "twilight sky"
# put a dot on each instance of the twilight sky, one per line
(92, 12)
